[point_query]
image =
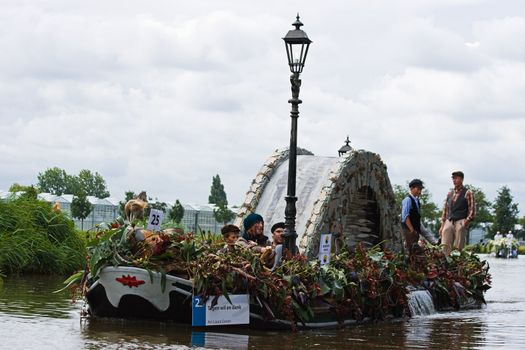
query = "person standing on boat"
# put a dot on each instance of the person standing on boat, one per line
(458, 213)
(411, 215)
(253, 236)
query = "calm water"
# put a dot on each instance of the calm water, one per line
(33, 318)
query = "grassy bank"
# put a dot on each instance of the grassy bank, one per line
(35, 239)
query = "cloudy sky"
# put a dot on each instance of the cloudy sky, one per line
(162, 95)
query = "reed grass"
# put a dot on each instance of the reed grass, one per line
(34, 239)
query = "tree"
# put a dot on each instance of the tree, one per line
(80, 207)
(217, 195)
(400, 193)
(53, 180)
(58, 182)
(505, 212)
(30, 193)
(176, 212)
(430, 213)
(522, 230)
(155, 205)
(483, 207)
(16, 187)
(92, 184)
(223, 214)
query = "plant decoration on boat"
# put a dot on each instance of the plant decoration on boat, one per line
(364, 284)
(452, 280)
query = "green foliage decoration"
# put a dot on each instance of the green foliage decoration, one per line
(363, 284)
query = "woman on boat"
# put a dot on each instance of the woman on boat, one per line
(253, 236)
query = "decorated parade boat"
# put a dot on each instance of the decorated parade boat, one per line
(504, 247)
(351, 269)
(171, 275)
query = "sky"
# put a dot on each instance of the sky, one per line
(163, 95)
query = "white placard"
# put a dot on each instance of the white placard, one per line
(325, 247)
(222, 313)
(155, 219)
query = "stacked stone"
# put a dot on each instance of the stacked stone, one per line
(356, 204)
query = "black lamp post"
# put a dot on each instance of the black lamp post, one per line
(297, 43)
(345, 148)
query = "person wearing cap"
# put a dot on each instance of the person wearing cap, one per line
(458, 212)
(253, 236)
(230, 234)
(277, 231)
(411, 215)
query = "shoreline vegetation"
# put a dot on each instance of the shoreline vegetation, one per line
(36, 239)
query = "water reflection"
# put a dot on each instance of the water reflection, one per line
(27, 307)
(456, 332)
(219, 340)
(32, 297)
(103, 332)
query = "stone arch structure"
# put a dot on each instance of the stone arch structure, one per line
(350, 197)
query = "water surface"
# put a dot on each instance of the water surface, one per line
(31, 317)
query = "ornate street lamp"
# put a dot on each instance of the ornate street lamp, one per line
(345, 148)
(297, 44)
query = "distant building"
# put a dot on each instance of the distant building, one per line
(107, 210)
(200, 216)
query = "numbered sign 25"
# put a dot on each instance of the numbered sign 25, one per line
(155, 219)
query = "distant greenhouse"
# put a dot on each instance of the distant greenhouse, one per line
(107, 210)
(200, 216)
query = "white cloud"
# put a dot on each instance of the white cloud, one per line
(163, 96)
(501, 37)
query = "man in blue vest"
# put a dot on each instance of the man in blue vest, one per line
(411, 216)
(458, 213)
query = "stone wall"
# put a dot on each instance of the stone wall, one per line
(355, 204)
